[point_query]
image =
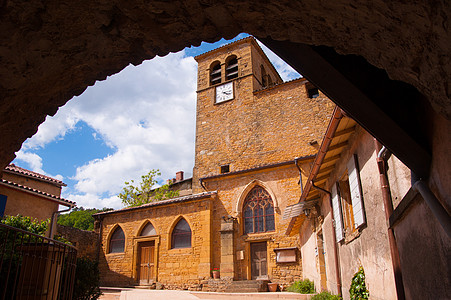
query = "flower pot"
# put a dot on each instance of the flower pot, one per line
(272, 287)
(215, 274)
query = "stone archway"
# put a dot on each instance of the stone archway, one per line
(53, 50)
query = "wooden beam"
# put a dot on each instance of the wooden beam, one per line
(387, 109)
(344, 131)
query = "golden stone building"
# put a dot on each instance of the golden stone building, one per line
(256, 137)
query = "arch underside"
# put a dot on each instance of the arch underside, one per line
(53, 50)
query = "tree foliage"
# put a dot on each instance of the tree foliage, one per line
(27, 223)
(80, 218)
(136, 194)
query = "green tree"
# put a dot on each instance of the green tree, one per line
(27, 224)
(145, 192)
(80, 218)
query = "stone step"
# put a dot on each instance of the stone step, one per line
(247, 286)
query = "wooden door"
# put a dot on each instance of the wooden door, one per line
(259, 269)
(146, 263)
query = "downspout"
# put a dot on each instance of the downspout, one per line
(334, 240)
(434, 204)
(300, 174)
(54, 214)
(382, 157)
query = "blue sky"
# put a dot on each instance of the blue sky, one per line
(139, 119)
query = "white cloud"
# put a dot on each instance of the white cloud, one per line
(145, 113)
(32, 159)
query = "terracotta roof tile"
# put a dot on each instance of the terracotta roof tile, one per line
(50, 197)
(17, 169)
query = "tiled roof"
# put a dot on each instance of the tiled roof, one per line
(163, 202)
(226, 45)
(17, 169)
(46, 195)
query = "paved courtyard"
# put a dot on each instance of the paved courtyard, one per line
(140, 294)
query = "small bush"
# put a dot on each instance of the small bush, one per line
(304, 287)
(358, 289)
(325, 296)
(87, 279)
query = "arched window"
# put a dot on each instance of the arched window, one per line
(148, 230)
(258, 211)
(215, 73)
(231, 67)
(181, 235)
(117, 241)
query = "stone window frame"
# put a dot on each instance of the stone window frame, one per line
(228, 67)
(238, 209)
(143, 225)
(171, 232)
(264, 215)
(110, 235)
(212, 70)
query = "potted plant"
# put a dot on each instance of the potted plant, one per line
(272, 286)
(215, 273)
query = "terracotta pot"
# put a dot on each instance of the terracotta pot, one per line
(272, 287)
(215, 274)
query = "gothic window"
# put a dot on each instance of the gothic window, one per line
(231, 67)
(215, 73)
(117, 241)
(148, 230)
(258, 211)
(181, 235)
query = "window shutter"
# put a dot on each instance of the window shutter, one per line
(3, 199)
(339, 234)
(356, 192)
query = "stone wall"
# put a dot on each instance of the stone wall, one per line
(85, 241)
(175, 268)
(282, 184)
(86, 43)
(256, 127)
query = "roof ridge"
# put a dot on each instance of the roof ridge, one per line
(38, 191)
(162, 202)
(250, 37)
(23, 171)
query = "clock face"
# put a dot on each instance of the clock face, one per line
(224, 92)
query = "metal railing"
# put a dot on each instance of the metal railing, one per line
(35, 267)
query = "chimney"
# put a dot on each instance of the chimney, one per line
(179, 176)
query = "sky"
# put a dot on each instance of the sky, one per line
(140, 119)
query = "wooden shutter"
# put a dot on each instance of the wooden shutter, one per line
(356, 192)
(336, 208)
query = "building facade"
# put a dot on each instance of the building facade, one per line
(256, 137)
(31, 194)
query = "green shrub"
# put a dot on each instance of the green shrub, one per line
(87, 280)
(325, 296)
(304, 287)
(358, 289)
